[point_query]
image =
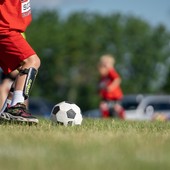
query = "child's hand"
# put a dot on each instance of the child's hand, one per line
(114, 85)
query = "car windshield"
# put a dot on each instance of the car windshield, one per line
(131, 102)
(160, 106)
(130, 105)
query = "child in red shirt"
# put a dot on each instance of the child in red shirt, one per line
(109, 88)
(17, 54)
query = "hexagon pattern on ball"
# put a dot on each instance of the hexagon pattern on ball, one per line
(66, 113)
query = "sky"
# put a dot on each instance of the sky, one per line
(153, 11)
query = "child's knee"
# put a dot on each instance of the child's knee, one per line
(33, 61)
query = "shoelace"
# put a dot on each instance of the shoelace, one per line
(22, 109)
(25, 111)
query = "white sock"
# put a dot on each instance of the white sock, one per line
(17, 97)
(8, 101)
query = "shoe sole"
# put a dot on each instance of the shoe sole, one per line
(11, 118)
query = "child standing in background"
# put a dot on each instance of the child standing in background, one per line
(109, 88)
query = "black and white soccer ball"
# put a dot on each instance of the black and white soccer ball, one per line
(66, 113)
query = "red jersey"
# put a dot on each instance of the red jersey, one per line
(15, 15)
(116, 93)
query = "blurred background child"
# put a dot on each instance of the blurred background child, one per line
(109, 88)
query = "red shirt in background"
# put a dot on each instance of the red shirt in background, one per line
(15, 15)
(116, 93)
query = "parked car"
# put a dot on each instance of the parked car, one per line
(131, 102)
(151, 108)
(40, 107)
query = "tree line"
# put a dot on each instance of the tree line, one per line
(70, 48)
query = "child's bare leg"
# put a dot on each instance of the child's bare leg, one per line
(119, 110)
(104, 109)
(5, 94)
(4, 90)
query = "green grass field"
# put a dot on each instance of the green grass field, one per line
(96, 145)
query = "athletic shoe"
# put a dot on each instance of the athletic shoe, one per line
(18, 113)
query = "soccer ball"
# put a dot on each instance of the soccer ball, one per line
(66, 113)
